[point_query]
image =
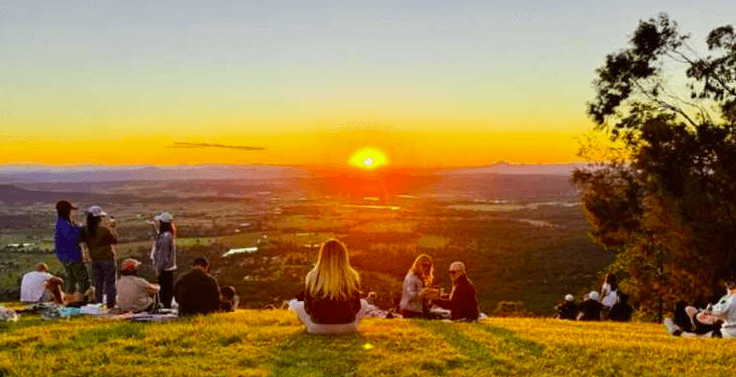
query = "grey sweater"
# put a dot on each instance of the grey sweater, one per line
(164, 253)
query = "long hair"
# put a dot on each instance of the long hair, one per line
(611, 280)
(332, 276)
(167, 227)
(92, 222)
(416, 268)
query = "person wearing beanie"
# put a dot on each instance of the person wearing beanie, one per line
(66, 240)
(135, 294)
(568, 309)
(590, 309)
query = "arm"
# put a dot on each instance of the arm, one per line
(721, 309)
(151, 289)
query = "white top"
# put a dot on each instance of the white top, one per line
(33, 285)
(609, 297)
(410, 299)
(725, 309)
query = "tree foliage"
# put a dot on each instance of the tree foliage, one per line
(669, 209)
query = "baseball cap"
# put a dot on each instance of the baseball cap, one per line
(96, 211)
(130, 264)
(62, 205)
(165, 217)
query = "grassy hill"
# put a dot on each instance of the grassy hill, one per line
(273, 343)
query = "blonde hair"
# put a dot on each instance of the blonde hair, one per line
(417, 270)
(332, 276)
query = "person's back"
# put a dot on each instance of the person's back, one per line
(590, 310)
(196, 291)
(33, 285)
(567, 310)
(620, 312)
(329, 311)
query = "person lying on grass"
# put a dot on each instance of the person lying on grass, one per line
(331, 294)
(715, 321)
(134, 294)
(462, 303)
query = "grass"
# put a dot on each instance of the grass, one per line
(273, 343)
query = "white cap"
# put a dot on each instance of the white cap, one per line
(569, 297)
(96, 211)
(164, 217)
(593, 295)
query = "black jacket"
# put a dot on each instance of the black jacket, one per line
(463, 304)
(197, 293)
(332, 311)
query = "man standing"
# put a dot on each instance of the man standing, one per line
(69, 253)
(196, 291)
(462, 303)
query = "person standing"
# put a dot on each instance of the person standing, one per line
(98, 240)
(197, 292)
(417, 288)
(67, 238)
(164, 257)
(463, 303)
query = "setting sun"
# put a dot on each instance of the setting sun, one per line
(369, 158)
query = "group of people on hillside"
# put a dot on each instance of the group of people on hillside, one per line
(196, 292)
(331, 303)
(613, 305)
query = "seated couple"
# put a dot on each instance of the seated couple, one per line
(196, 291)
(418, 294)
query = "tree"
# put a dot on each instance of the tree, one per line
(669, 208)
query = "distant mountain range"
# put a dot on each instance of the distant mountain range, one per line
(42, 173)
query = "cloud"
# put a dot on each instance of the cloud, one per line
(210, 145)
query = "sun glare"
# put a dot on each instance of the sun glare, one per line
(368, 158)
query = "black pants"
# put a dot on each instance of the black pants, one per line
(166, 281)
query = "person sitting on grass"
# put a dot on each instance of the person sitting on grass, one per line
(590, 309)
(462, 303)
(134, 294)
(228, 299)
(417, 290)
(33, 285)
(568, 309)
(332, 301)
(197, 292)
(621, 310)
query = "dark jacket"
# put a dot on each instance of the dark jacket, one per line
(568, 310)
(590, 310)
(620, 312)
(462, 303)
(332, 311)
(197, 293)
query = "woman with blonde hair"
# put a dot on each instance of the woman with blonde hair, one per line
(332, 301)
(417, 288)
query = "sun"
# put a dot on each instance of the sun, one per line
(368, 158)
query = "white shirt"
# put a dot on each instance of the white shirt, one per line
(33, 285)
(609, 297)
(725, 309)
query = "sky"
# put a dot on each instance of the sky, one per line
(430, 83)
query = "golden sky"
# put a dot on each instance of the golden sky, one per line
(429, 83)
